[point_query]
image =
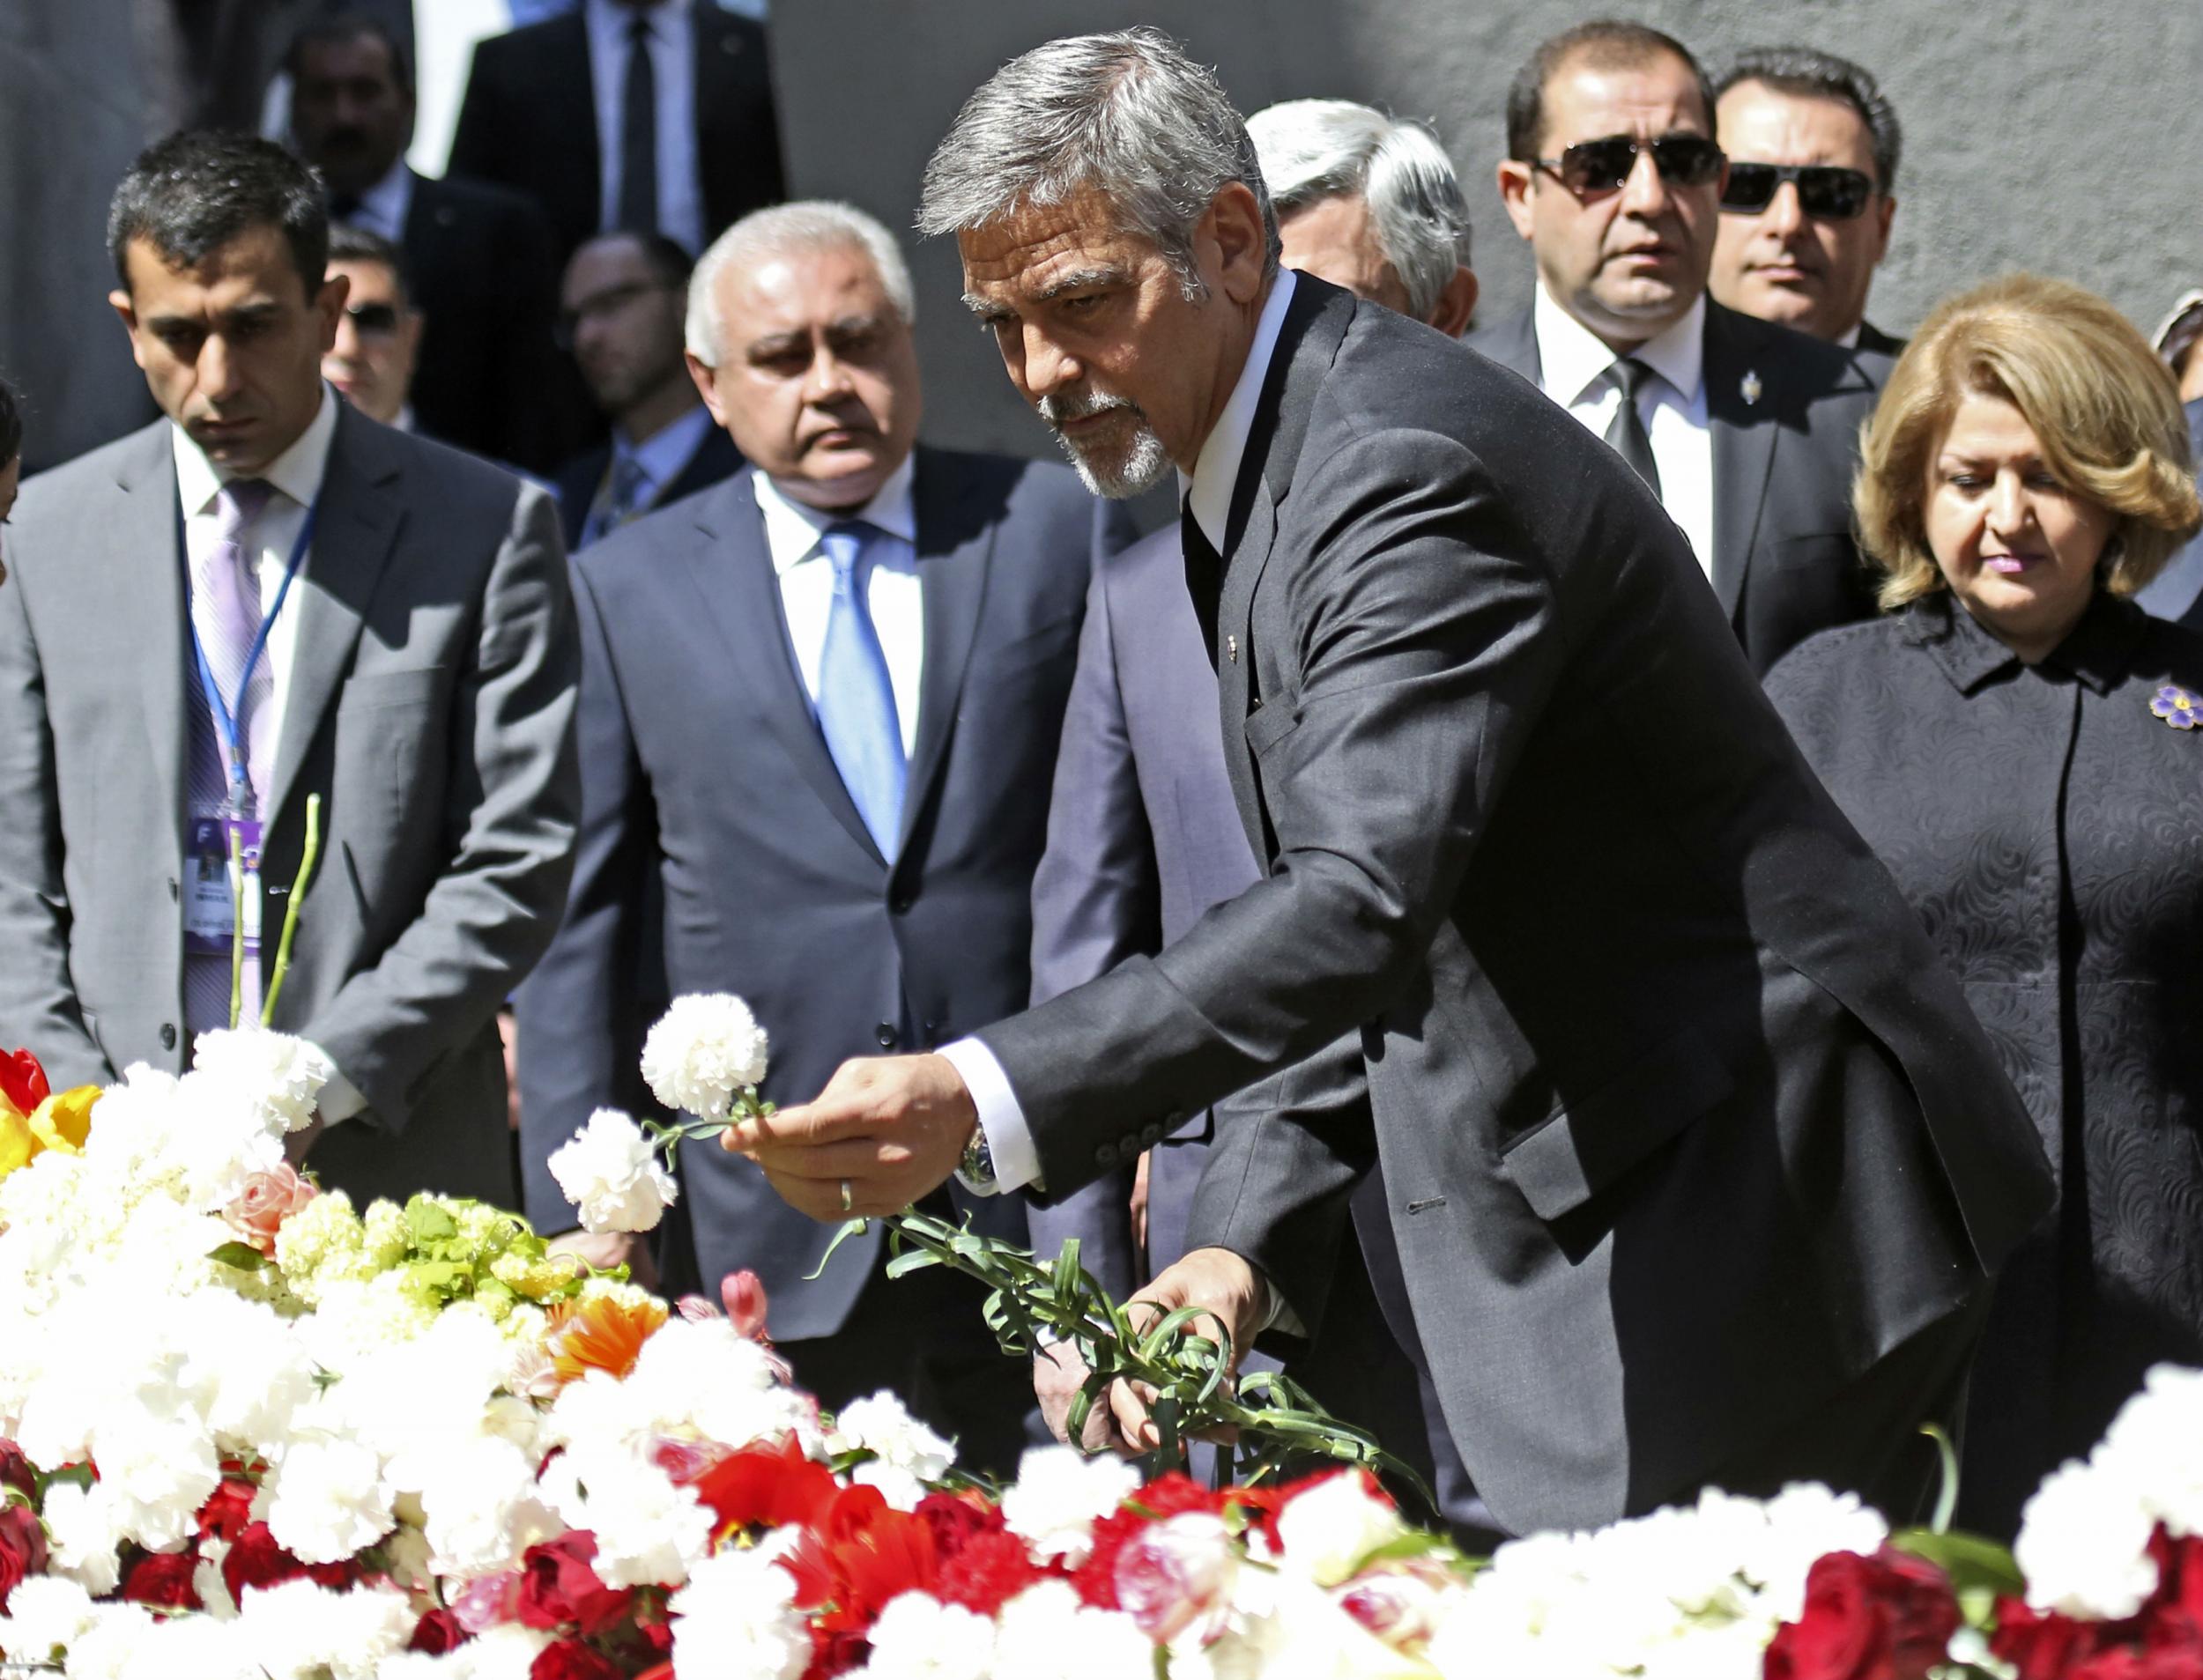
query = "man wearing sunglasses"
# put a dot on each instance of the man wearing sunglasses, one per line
(378, 337)
(1743, 429)
(1804, 217)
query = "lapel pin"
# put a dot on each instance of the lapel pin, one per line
(1231, 649)
(1751, 387)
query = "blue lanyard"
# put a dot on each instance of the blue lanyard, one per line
(226, 715)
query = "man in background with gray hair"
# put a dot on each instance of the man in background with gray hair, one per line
(1142, 836)
(1697, 1163)
(819, 701)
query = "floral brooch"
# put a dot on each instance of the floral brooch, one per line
(2180, 709)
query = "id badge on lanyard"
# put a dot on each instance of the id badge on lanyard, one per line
(221, 869)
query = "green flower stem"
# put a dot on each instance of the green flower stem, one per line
(237, 925)
(307, 859)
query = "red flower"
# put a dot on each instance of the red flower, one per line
(864, 1553)
(557, 1587)
(571, 1660)
(437, 1632)
(989, 1569)
(743, 1294)
(255, 1560)
(955, 1518)
(22, 1547)
(17, 1470)
(2042, 1644)
(663, 1671)
(227, 1510)
(767, 1487)
(163, 1579)
(1885, 1618)
(23, 1082)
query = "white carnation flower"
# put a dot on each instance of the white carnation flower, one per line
(2083, 1543)
(85, 1528)
(330, 1500)
(1045, 1633)
(1327, 1531)
(271, 1075)
(46, 1613)
(736, 1619)
(651, 1530)
(705, 1048)
(1059, 1497)
(909, 1457)
(917, 1637)
(610, 1171)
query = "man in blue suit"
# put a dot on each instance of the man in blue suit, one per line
(1143, 836)
(821, 703)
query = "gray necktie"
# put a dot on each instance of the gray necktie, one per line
(1627, 433)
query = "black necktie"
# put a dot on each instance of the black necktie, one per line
(1627, 433)
(1203, 576)
(639, 135)
(343, 207)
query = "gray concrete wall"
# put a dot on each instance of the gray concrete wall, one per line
(2039, 133)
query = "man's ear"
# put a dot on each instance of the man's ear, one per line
(1885, 213)
(1515, 184)
(119, 300)
(1234, 222)
(1457, 304)
(706, 379)
(329, 304)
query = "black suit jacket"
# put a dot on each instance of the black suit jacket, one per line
(1683, 1121)
(485, 277)
(1785, 411)
(578, 481)
(1873, 341)
(704, 768)
(529, 120)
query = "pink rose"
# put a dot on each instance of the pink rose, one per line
(1176, 1575)
(258, 1210)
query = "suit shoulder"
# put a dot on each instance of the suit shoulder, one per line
(476, 198)
(1803, 679)
(2171, 650)
(91, 471)
(533, 42)
(1814, 367)
(620, 560)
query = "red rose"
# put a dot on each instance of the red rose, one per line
(1886, 1617)
(22, 1547)
(437, 1632)
(227, 1510)
(17, 1471)
(163, 1579)
(2138, 1663)
(255, 1560)
(571, 1660)
(558, 1585)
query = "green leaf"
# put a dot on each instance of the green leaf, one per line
(1973, 1564)
(238, 1256)
(855, 1227)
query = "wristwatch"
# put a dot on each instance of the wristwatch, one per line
(975, 1171)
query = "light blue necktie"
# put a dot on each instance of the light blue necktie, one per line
(857, 699)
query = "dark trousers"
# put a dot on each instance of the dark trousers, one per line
(923, 1338)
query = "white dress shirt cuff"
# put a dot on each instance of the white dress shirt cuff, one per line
(340, 1098)
(1017, 1163)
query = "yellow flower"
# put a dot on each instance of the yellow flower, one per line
(64, 1121)
(17, 1144)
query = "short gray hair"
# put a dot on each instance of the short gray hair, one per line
(1127, 115)
(806, 225)
(1312, 149)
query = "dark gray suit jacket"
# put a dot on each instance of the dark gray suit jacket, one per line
(431, 704)
(704, 772)
(1785, 411)
(1683, 1123)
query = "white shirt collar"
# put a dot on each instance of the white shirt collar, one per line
(297, 472)
(1571, 357)
(1208, 493)
(792, 528)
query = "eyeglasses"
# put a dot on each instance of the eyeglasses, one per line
(610, 301)
(1823, 190)
(1602, 165)
(373, 320)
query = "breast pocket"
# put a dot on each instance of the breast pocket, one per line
(1570, 1156)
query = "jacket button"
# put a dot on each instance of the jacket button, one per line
(885, 1033)
(1149, 1134)
(1128, 1145)
(1105, 1156)
(168, 1035)
(932, 1032)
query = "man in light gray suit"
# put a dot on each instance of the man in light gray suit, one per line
(261, 597)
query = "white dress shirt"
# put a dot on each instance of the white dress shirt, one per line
(1573, 366)
(382, 207)
(295, 476)
(894, 592)
(1208, 498)
(673, 70)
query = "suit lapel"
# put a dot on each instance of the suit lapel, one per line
(952, 575)
(1743, 449)
(146, 592)
(354, 530)
(727, 561)
(1513, 344)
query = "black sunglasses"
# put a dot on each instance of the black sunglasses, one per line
(1823, 190)
(374, 320)
(1602, 165)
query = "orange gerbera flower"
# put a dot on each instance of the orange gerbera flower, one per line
(603, 1333)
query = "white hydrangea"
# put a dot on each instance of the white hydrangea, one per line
(705, 1048)
(1059, 1497)
(1046, 1633)
(330, 1500)
(910, 1457)
(610, 1170)
(917, 1637)
(737, 1619)
(1325, 1532)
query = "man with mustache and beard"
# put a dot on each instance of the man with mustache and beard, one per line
(820, 702)
(479, 258)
